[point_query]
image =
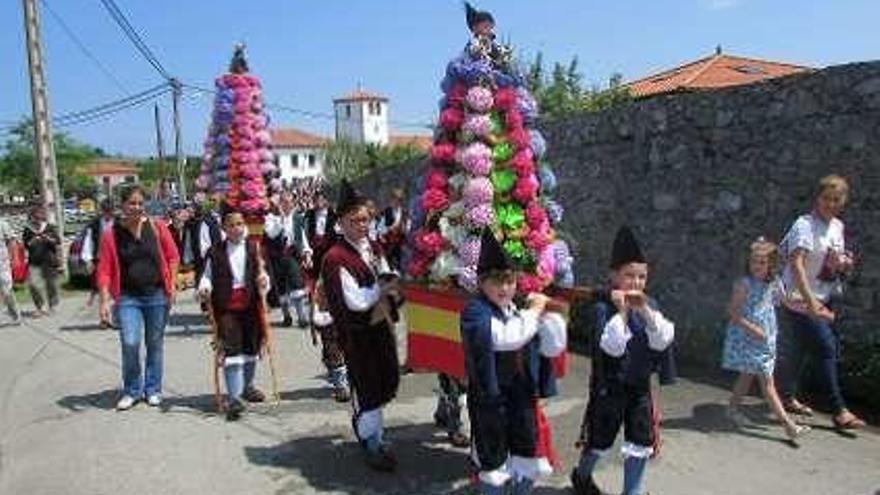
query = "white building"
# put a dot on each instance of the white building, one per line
(362, 117)
(298, 154)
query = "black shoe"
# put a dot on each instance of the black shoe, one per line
(288, 321)
(582, 486)
(253, 394)
(235, 410)
(302, 323)
(341, 394)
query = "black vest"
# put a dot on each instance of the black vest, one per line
(221, 275)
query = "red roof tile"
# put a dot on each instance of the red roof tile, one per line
(418, 141)
(716, 71)
(295, 138)
(360, 95)
(110, 166)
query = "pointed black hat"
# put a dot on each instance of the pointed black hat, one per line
(239, 63)
(492, 256)
(475, 16)
(349, 198)
(626, 249)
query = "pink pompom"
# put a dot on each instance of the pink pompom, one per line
(479, 125)
(467, 278)
(477, 159)
(429, 243)
(535, 214)
(469, 251)
(514, 119)
(436, 179)
(253, 189)
(519, 138)
(202, 182)
(251, 171)
(268, 168)
(451, 119)
(266, 156)
(443, 152)
(435, 199)
(480, 216)
(418, 266)
(527, 283)
(275, 184)
(525, 189)
(262, 138)
(480, 99)
(255, 205)
(505, 99)
(478, 191)
(457, 94)
(538, 238)
(522, 162)
(547, 262)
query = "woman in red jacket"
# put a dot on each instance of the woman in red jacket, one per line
(137, 267)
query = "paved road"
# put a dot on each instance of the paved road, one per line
(59, 433)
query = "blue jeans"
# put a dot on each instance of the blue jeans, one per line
(817, 337)
(149, 313)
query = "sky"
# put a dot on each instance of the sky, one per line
(308, 52)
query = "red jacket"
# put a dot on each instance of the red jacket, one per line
(108, 272)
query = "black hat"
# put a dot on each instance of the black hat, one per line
(626, 249)
(349, 198)
(492, 256)
(239, 63)
(475, 16)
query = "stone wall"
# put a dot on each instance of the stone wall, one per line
(700, 175)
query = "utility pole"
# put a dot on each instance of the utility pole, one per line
(44, 147)
(181, 162)
(161, 153)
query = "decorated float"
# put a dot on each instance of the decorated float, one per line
(487, 170)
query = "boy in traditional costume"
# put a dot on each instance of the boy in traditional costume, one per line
(287, 248)
(507, 358)
(363, 296)
(634, 341)
(234, 283)
(331, 352)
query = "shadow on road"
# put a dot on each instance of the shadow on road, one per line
(99, 400)
(332, 462)
(712, 418)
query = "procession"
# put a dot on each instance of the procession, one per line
(435, 328)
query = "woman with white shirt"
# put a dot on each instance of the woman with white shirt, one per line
(815, 262)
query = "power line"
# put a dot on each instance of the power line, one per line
(154, 91)
(83, 48)
(135, 38)
(94, 117)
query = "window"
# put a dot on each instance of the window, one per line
(347, 111)
(312, 160)
(378, 108)
(294, 160)
(129, 178)
(275, 159)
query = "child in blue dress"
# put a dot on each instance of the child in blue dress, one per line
(750, 344)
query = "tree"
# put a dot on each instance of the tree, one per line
(18, 168)
(344, 159)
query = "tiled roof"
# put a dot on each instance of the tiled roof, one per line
(419, 141)
(295, 138)
(110, 166)
(360, 95)
(717, 71)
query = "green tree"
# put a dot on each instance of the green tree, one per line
(18, 168)
(346, 160)
(150, 172)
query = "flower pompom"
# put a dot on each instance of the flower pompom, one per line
(564, 262)
(478, 191)
(525, 189)
(514, 119)
(480, 99)
(527, 283)
(469, 251)
(254, 205)
(538, 144)
(418, 266)
(478, 124)
(547, 262)
(451, 119)
(480, 216)
(443, 152)
(251, 171)
(519, 138)
(435, 179)
(253, 189)
(538, 238)
(547, 179)
(476, 159)
(428, 242)
(535, 214)
(526, 104)
(505, 99)
(467, 278)
(522, 163)
(435, 199)
(456, 95)
(554, 211)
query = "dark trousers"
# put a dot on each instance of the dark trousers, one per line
(804, 336)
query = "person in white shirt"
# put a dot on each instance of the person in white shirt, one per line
(288, 249)
(92, 241)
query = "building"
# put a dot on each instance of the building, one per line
(362, 117)
(716, 71)
(298, 154)
(110, 172)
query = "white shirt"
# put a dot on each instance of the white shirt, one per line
(237, 253)
(359, 298)
(205, 238)
(85, 253)
(284, 224)
(320, 222)
(817, 237)
(616, 333)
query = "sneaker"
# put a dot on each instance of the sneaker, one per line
(154, 400)
(125, 403)
(288, 321)
(584, 486)
(235, 409)
(253, 394)
(458, 439)
(341, 394)
(794, 431)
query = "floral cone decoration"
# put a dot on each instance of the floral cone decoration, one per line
(238, 162)
(487, 170)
